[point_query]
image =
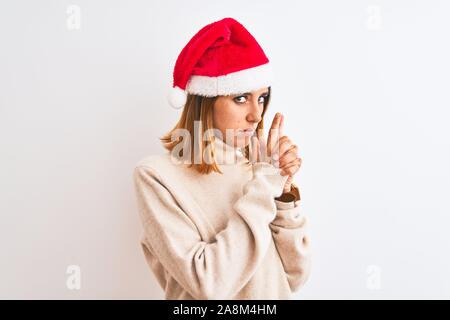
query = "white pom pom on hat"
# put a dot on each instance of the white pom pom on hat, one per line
(177, 97)
(223, 58)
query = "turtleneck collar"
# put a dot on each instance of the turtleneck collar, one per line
(226, 154)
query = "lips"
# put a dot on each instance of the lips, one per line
(246, 132)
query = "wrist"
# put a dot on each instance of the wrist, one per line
(292, 195)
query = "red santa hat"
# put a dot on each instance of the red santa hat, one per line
(223, 58)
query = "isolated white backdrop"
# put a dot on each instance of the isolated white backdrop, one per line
(364, 86)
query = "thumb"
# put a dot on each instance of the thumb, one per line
(287, 185)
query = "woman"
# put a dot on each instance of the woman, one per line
(220, 210)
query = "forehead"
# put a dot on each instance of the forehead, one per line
(259, 91)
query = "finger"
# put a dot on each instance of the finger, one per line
(281, 131)
(290, 170)
(273, 132)
(288, 184)
(286, 145)
(254, 150)
(263, 151)
(260, 134)
(289, 158)
(277, 142)
(289, 155)
(297, 162)
(261, 138)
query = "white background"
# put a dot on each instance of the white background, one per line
(364, 86)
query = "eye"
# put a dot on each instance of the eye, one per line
(243, 99)
(240, 99)
(262, 99)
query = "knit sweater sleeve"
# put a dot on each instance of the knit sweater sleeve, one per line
(217, 269)
(289, 231)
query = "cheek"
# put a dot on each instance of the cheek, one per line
(228, 116)
(219, 117)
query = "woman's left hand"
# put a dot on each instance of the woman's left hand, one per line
(288, 160)
(279, 150)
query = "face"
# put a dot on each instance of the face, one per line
(240, 114)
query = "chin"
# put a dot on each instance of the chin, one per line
(242, 141)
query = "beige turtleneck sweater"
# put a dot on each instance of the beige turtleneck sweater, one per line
(221, 236)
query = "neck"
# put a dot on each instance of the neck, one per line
(226, 154)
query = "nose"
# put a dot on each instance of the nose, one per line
(255, 112)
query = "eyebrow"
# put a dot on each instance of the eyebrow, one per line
(249, 93)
